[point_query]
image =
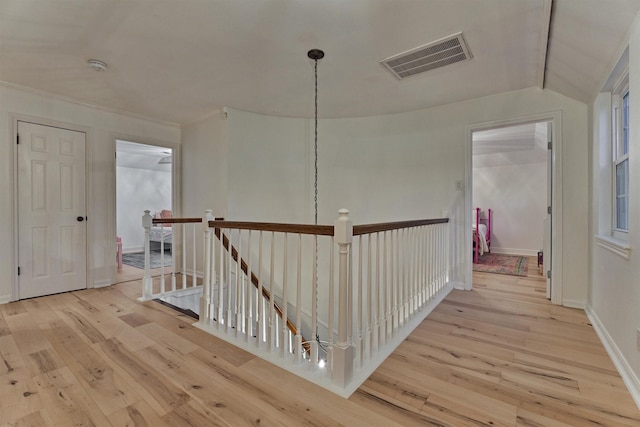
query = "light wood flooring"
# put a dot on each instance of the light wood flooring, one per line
(500, 355)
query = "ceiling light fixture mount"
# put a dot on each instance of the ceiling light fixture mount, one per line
(97, 65)
(315, 54)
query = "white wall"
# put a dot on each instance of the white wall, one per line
(516, 190)
(384, 168)
(204, 166)
(137, 191)
(102, 129)
(614, 292)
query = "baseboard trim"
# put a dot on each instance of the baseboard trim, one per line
(5, 299)
(629, 377)
(513, 251)
(574, 304)
(102, 283)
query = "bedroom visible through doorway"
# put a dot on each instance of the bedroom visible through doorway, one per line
(511, 176)
(144, 181)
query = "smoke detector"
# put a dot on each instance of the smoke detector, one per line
(439, 53)
(97, 65)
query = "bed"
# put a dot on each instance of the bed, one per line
(481, 232)
(162, 232)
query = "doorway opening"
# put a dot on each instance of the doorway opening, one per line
(513, 170)
(144, 181)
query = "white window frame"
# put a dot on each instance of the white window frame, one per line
(620, 156)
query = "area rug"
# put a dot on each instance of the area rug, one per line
(136, 259)
(502, 264)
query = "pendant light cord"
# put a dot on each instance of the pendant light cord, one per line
(315, 144)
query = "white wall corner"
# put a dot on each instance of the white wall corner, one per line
(629, 377)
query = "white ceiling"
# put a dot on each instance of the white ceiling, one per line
(178, 61)
(143, 156)
(509, 146)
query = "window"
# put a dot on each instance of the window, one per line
(620, 167)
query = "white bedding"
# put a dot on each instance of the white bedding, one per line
(157, 233)
(482, 228)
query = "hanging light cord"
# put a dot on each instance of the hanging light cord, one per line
(315, 144)
(315, 55)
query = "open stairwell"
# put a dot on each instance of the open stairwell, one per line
(328, 303)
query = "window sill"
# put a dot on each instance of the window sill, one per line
(617, 246)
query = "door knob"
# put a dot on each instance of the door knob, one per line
(80, 218)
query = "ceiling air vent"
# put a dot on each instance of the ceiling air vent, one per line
(448, 50)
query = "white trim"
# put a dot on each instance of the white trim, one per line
(617, 246)
(574, 304)
(629, 377)
(555, 118)
(5, 299)
(102, 283)
(514, 251)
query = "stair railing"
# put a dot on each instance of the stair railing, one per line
(182, 235)
(399, 269)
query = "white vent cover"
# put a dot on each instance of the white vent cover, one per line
(448, 50)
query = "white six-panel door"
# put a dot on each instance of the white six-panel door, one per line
(51, 210)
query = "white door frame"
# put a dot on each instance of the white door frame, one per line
(14, 118)
(555, 118)
(176, 203)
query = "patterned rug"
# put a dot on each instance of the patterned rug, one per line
(136, 259)
(502, 264)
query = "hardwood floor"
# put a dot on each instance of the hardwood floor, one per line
(500, 355)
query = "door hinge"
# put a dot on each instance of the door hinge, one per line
(549, 145)
(548, 274)
(17, 138)
(549, 210)
(18, 271)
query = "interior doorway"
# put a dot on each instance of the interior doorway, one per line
(513, 169)
(144, 181)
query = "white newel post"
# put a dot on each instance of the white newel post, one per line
(343, 352)
(147, 283)
(205, 299)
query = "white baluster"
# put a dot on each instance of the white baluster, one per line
(376, 298)
(332, 303)
(260, 299)
(314, 304)
(271, 327)
(193, 272)
(229, 318)
(284, 332)
(248, 291)
(239, 279)
(221, 281)
(359, 346)
(298, 337)
(183, 267)
(147, 282)
(162, 284)
(369, 336)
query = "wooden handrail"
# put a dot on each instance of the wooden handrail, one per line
(320, 230)
(324, 230)
(388, 226)
(175, 220)
(256, 282)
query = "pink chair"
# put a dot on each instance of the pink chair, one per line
(119, 249)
